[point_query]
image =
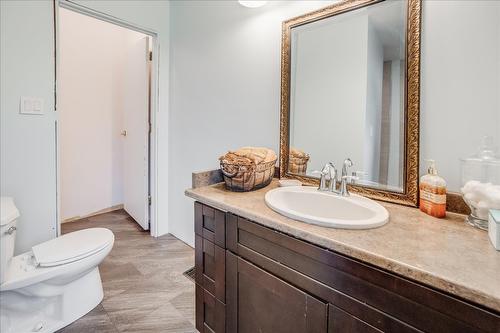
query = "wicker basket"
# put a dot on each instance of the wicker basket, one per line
(244, 178)
(298, 165)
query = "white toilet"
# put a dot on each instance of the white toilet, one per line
(55, 283)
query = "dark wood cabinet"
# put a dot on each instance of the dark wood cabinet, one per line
(268, 304)
(267, 281)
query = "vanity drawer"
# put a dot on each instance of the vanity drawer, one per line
(210, 262)
(340, 321)
(210, 223)
(379, 298)
(210, 312)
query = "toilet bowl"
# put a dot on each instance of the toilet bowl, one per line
(55, 283)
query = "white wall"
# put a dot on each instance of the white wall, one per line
(90, 103)
(460, 81)
(28, 154)
(27, 151)
(225, 88)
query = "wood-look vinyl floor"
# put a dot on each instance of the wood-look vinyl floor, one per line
(144, 289)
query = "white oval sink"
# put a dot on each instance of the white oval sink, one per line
(307, 204)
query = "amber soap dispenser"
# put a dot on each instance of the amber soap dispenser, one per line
(433, 192)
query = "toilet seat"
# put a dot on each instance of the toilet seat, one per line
(24, 270)
(71, 247)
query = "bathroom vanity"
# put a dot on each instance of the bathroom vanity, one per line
(258, 271)
(261, 272)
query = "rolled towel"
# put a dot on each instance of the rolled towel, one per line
(271, 156)
(231, 158)
(249, 155)
(297, 153)
(257, 155)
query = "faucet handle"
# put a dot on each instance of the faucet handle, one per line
(347, 164)
(343, 183)
(322, 177)
(325, 171)
(330, 171)
(332, 186)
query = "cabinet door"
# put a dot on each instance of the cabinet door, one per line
(257, 301)
(210, 267)
(210, 312)
(340, 321)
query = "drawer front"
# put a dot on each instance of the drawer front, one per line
(210, 223)
(210, 262)
(340, 321)
(391, 301)
(210, 312)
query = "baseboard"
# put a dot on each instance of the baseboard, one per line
(102, 211)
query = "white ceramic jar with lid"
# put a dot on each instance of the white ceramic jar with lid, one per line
(481, 183)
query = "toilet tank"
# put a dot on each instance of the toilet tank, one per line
(8, 219)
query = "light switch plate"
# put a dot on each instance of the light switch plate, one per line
(31, 105)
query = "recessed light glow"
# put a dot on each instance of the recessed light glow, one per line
(252, 3)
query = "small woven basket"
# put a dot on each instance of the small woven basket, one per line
(298, 165)
(244, 178)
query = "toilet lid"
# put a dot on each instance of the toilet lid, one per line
(72, 247)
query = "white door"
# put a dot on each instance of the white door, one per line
(136, 132)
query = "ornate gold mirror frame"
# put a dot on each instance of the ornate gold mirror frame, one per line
(409, 195)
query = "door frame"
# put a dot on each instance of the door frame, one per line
(153, 110)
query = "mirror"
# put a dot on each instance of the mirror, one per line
(350, 90)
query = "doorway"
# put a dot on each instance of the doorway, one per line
(106, 98)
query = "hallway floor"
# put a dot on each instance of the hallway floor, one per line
(144, 289)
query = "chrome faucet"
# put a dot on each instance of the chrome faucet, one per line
(331, 171)
(343, 179)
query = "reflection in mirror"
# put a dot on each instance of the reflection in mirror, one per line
(347, 94)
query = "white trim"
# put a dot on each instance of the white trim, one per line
(76, 7)
(57, 141)
(155, 102)
(155, 74)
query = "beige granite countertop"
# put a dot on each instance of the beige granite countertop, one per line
(446, 254)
